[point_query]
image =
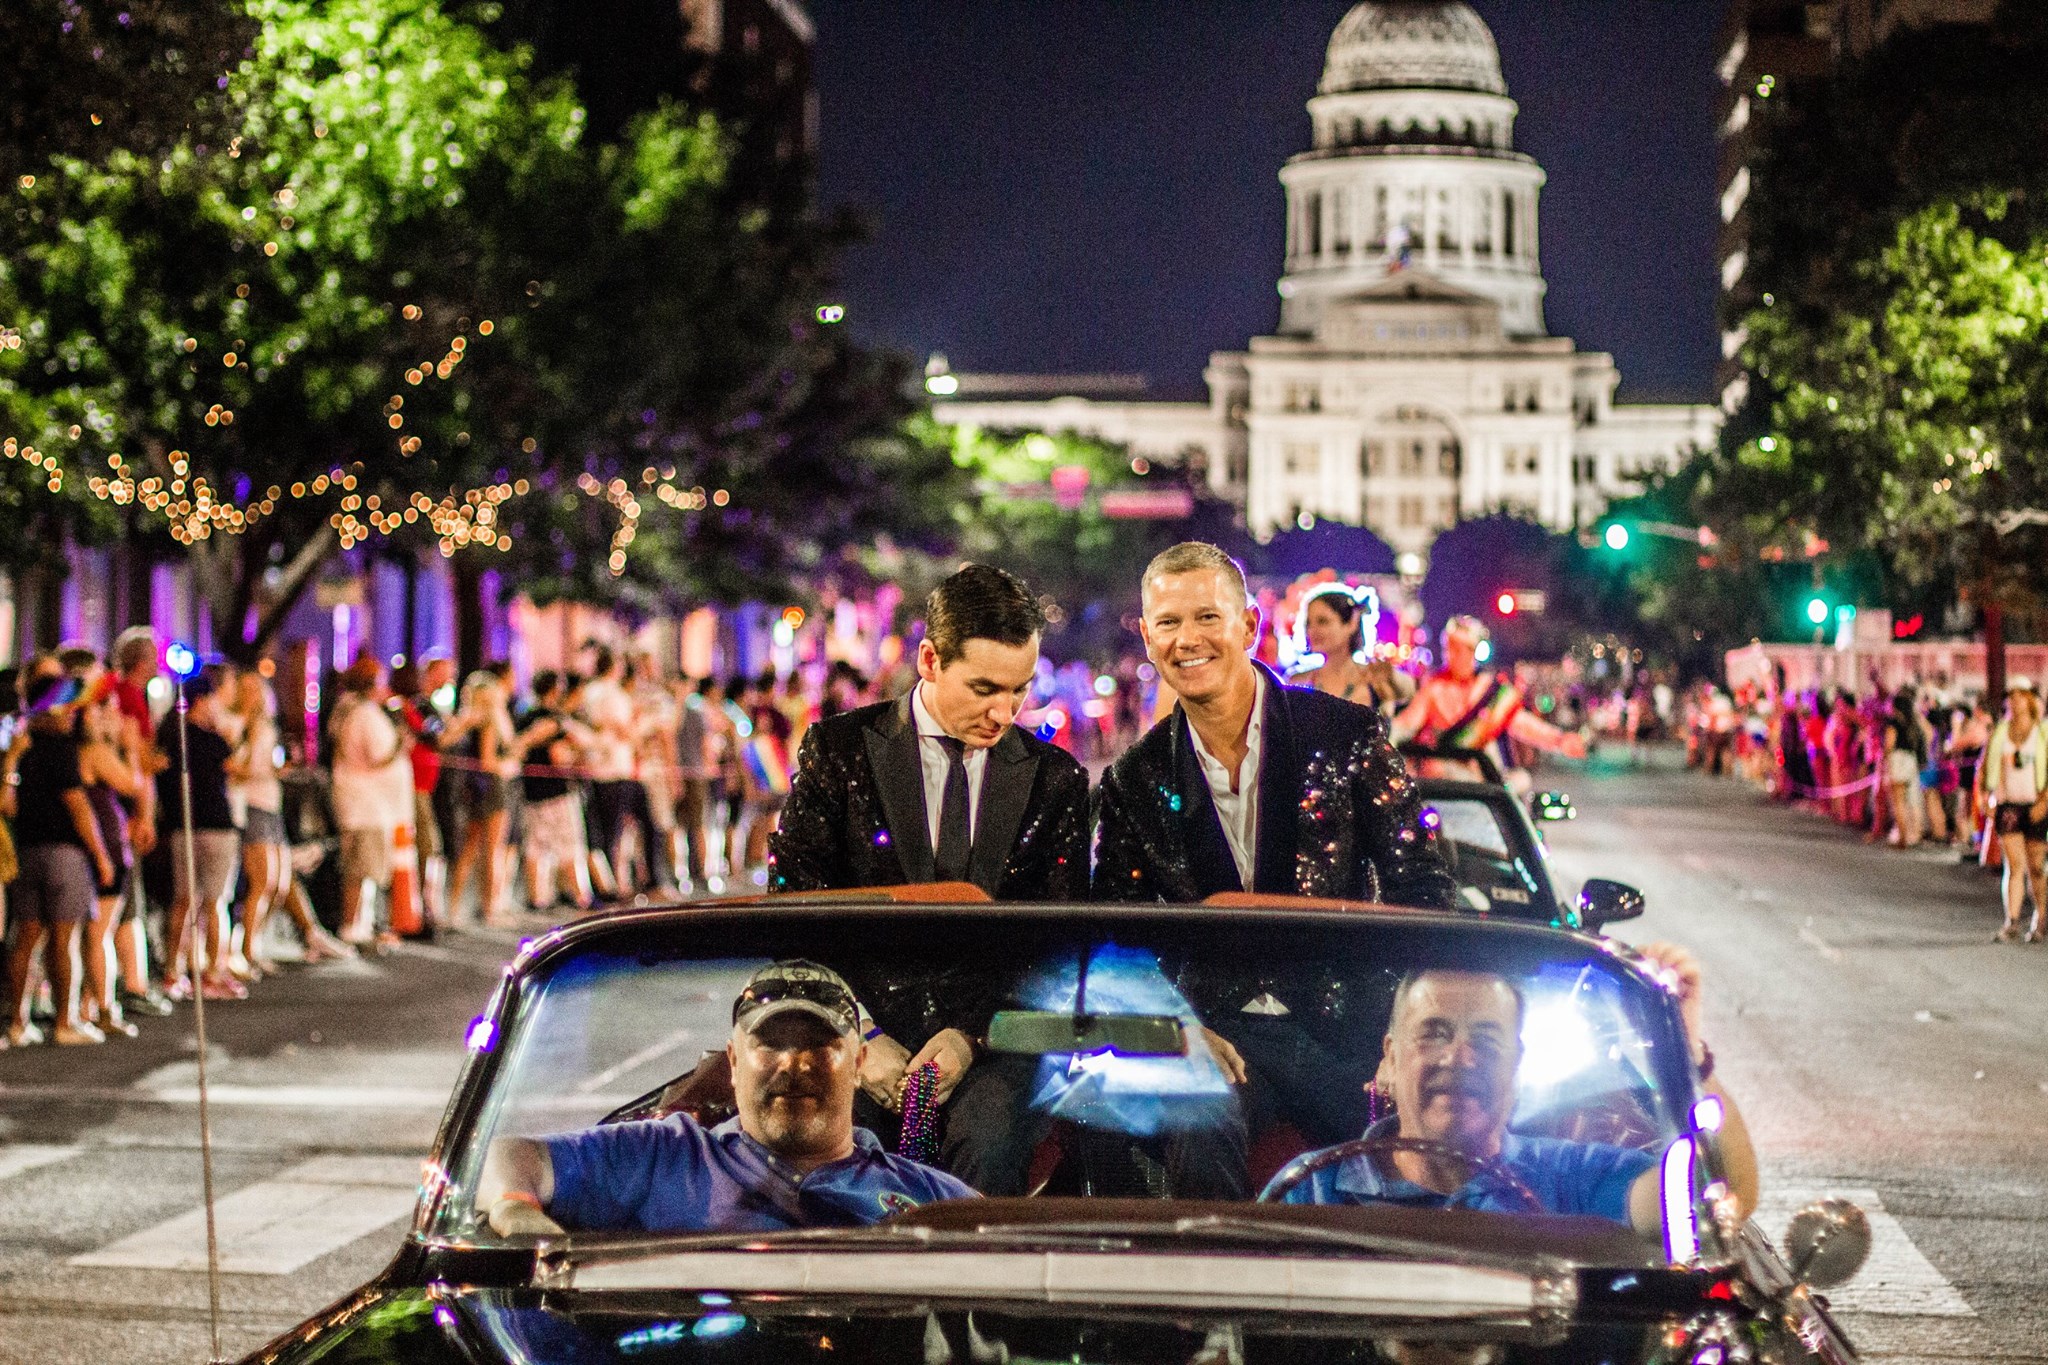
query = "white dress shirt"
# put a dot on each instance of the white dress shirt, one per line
(932, 755)
(1238, 810)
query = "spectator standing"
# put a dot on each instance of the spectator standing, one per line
(2015, 780)
(485, 739)
(658, 720)
(203, 868)
(62, 859)
(696, 767)
(136, 664)
(412, 702)
(1905, 754)
(557, 857)
(113, 784)
(373, 793)
(610, 755)
(259, 796)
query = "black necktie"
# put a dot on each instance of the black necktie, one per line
(956, 841)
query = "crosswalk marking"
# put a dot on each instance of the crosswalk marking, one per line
(278, 1225)
(18, 1157)
(1897, 1280)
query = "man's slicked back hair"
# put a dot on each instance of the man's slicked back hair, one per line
(981, 602)
(1197, 556)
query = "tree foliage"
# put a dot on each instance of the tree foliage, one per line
(388, 292)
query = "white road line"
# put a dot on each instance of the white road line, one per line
(1819, 944)
(659, 1048)
(18, 1157)
(1897, 1281)
(277, 1225)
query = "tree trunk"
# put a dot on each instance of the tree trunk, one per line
(469, 613)
(1994, 650)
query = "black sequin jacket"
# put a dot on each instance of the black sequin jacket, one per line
(856, 813)
(1338, 813)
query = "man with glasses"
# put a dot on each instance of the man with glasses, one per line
(791, 1158)
(1449, 1061)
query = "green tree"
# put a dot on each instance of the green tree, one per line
(403, 301)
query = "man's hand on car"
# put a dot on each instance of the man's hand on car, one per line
(881, 1071)
(953, 1053)
(510, 1217)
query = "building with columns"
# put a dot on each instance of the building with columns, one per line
(1411, 382)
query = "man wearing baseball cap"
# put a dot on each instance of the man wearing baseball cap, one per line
(791, 1158)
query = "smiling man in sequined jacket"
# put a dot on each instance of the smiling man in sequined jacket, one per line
(1251, 785)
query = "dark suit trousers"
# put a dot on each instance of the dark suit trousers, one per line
(1292, 1077)
(989, 1132)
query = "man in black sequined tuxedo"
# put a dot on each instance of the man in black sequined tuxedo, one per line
(941, 785)
(1251, 785)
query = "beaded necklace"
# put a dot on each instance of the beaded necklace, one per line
(920, 1140)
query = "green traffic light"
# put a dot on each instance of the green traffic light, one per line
(1617, 537)
(1817, 610)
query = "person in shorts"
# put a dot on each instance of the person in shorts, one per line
(557, 850)
(62, 859)
(2014, 777)
(203, 865)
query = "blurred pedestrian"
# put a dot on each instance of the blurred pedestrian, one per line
(696, 766)
(62, 860)
(1905, 755)
(484, 742)
(657, 720)
(557, 854)
(412, 702)
(113, 784)
(204, 859)
(373, 794)
(2015, 778)
(610, 755)
(259, 794)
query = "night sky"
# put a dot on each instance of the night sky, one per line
(1091, 185)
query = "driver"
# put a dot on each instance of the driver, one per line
(791, 1158)
(1450, 1057)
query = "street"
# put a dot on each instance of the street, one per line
(1880, 1044)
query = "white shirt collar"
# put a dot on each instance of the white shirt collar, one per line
(1238, 811)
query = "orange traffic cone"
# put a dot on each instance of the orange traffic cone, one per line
(405, 884)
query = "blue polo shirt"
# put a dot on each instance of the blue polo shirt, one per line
(673, 1175)
(1567, 1177)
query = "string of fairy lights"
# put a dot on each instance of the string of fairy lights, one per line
(196, 511)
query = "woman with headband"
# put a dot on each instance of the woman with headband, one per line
(1339, 623)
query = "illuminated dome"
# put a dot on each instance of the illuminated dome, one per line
(1413, 45)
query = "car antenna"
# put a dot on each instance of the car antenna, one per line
(195, 939)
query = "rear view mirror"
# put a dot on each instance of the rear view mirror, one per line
(1037, 1033)
(1552, 806)
(1602, 902)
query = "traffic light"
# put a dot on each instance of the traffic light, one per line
(1616, 537)
(1506, 604)
(1818, 610)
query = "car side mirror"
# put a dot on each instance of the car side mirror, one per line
(1602, 902)
(1545, 806)
(1827, 1243)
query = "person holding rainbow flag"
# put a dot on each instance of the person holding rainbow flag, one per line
(1459, 707)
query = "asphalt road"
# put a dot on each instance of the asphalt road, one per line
(1878, 1041)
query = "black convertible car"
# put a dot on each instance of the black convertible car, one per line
(1108, 1013)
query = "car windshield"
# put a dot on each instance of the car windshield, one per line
(1189, 1054)
(1490, 852)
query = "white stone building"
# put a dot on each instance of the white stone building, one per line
(1411, 383)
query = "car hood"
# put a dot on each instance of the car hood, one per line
(443, 1326)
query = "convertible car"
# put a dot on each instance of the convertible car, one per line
(1170, 1210)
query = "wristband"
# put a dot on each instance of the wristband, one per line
(525, 1197)
(872, 1034)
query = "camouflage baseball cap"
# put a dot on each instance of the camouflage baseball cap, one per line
(797, 986)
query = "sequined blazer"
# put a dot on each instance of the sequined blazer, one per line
(1338, 813)
(856, 813)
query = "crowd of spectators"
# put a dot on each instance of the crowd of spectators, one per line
(427, 806)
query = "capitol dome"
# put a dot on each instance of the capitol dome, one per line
(1413, 45)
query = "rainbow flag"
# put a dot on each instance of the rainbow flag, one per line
(1487, 721)
(765, 761)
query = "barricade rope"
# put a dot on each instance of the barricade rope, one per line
(1830, 793)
